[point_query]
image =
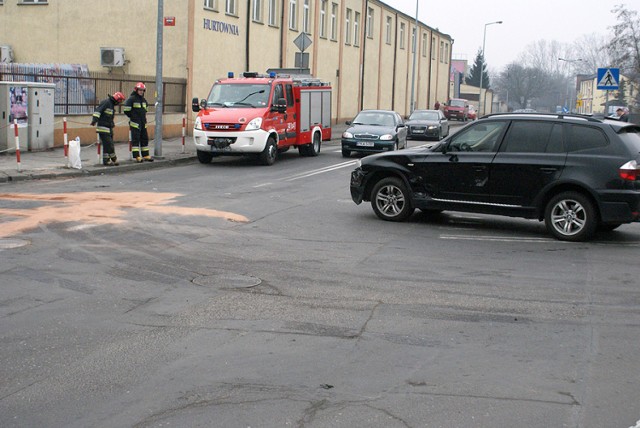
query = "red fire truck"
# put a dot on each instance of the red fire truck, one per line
(262, 115)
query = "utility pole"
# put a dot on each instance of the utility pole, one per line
(481, 106)
(415, 51)
(157, 146)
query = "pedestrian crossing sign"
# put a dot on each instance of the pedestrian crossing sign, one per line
(608, 79)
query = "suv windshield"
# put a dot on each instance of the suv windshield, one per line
(238, 95)
(456, 103)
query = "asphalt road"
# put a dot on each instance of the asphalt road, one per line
(238, 295)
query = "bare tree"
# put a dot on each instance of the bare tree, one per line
(593, 50)
(625, 46)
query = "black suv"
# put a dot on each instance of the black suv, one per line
(578, 174)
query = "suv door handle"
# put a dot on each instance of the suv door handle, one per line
(479, 168)
(548, 169)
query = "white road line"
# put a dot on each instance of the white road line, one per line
(320, 171)
(261, 185)
(498, 239)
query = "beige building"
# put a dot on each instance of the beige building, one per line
(592, 100)
(365, 48)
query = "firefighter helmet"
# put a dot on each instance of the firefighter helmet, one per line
(140, 85)
(118, 96)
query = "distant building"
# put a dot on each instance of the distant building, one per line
(591, 100)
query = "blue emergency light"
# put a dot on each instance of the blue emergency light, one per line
(272, 74)
(230, 75)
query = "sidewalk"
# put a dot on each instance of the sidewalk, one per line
(51, 163)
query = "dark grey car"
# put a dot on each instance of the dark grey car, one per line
(427, 124)
(374, 131)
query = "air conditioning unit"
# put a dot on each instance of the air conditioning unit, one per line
(112, 57)
(6, 54)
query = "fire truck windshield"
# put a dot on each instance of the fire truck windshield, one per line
(238, 95)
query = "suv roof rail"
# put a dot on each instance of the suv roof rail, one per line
(556, 115)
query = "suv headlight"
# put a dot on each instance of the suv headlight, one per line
(347, 134)
(386, 137)
(198, 124)
(254, 124)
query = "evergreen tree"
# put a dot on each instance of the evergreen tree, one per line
(479, 66)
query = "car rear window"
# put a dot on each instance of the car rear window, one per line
(631, 137)
(585, 137)
(533, 137)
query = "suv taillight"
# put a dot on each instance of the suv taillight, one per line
(629, 171)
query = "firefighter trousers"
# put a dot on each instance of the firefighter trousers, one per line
(139, 142)
(108, 148)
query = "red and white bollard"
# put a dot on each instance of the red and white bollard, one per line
(66, 143)
(98, 146)
(184, 126)
(15, 127)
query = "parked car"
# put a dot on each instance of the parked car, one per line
(427, 124)
(473, 114)
(457, 108)
(576, 174)
(374, 131)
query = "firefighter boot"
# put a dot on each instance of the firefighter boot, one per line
(148, 158)
(114, 160)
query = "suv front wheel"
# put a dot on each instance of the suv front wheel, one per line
(571, 216)
(390, 200)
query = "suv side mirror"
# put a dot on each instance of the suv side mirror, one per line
(194, 105)
(280, 106)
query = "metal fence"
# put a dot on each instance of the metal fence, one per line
(81, 94)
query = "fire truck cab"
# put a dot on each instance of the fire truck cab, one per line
(262, 115)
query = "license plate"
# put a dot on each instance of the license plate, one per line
(365, 143)
(418, 131)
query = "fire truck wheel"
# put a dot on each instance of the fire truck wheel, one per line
(204, 157)
(268, 155)
(314, 147)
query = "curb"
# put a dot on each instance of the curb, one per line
(64, 172)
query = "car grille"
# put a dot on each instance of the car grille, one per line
(366, 136)
(221, 126)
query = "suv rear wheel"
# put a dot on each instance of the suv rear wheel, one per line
(390, 200)
(571, 216)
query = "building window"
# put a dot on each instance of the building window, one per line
(424, 44)
(323, 19)
(446, 52)
(230, 7)
(334, 21)
(293, 10)
(257, 10)
(305, 17)
(402, 35)
(370, 23)
(211, 4)
(32, 2)
(441, 51)
(356, 29)
(347, 32)
(388, 30)
(433, 48)
(273, 13)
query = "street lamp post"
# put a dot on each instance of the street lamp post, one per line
(570, 95)
(484, 100)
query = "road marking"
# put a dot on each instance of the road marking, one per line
(321, 170)
(498, 238)
(261, 185)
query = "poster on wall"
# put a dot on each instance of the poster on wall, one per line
(19, 98)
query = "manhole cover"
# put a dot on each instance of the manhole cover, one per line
(228, 281)
(12, 243)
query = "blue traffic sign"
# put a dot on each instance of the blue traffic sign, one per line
(608, 79)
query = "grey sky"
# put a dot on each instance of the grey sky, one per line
(524, 22)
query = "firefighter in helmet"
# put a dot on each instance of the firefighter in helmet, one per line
(103, 116)
(136, 108)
